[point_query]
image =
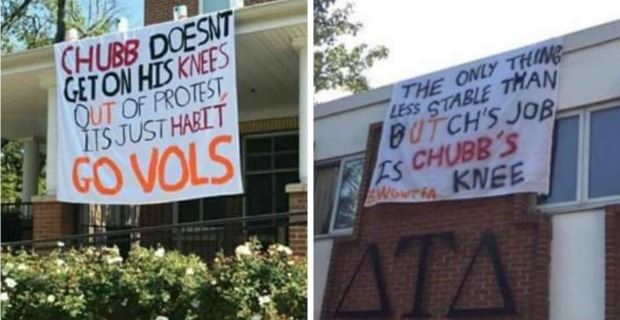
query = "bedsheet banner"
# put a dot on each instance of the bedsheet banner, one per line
(476, 130)
(149, 115)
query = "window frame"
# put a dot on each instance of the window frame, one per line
(582, 201)
(332, 219)
(319, 165)
(244, 155)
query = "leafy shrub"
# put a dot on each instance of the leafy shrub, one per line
(153, 284)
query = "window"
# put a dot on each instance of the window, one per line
(348, 190)
(564, 157)
(585, 166)
(336, 191)
(325, 183)
(271, 162)
(604, 153)
(203, 209)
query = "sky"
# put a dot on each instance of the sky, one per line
(427, 36)
(133, 10)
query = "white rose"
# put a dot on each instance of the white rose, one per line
(10, 283)
(243, 250)
(285, 249)
(118, 259)
(165, 296)
(195, 303)
(263, 300)
(256, 317)
(189, 272)
(160, 252)
(60, 244)
(161, 318)
(51, 298)
(59, 262)
(21, 267)
(4, 296)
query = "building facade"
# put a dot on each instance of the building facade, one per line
(271, 69)
(520, 256)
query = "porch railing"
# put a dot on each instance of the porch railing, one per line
(16, 221)
(204, 238)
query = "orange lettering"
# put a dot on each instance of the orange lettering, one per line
(117, 175)
(79, 186)
(193, 167)
(230, 170)
(147, 183)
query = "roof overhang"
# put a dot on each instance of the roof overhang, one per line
(267, 70)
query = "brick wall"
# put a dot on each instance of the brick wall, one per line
(612, 262)
(268, 125)
(523, 246)
(52, 219)
(156, 11)
(298, 231)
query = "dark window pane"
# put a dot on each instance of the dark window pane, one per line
(256, 163)
(348, 193)
(287, 161)
(286, 143)
(282, 179)
(189, 211)
(256, 145)
(563, 162)
(260, 196)
(604, 164)
(215, 208)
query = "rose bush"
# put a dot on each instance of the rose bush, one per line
(153, 284)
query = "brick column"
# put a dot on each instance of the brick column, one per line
(612, 262)
(50, 218)
(298, 229)
(156, 11)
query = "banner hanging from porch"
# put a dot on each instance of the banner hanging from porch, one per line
(476, 130)
(149, 115)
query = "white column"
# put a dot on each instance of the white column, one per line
(30, 168)
(51, 144)
(302, 48)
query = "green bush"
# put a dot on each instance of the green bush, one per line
(153, 284)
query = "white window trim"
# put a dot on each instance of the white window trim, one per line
(340, 232)
(582, 201)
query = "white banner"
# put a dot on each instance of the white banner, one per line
(149, 115)
(476, 130)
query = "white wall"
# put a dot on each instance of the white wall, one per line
(322, 255)
(577, 288)
(589, 73)
(345, 133)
